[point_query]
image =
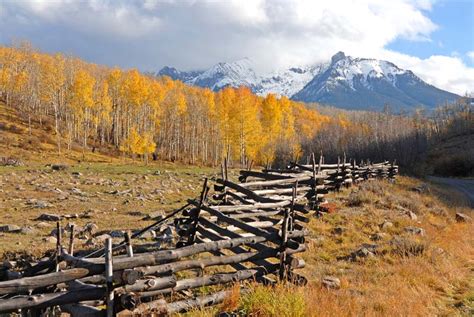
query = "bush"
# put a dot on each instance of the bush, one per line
(459, 165)
(358, 198)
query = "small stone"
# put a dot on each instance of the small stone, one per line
(54, 232)
(415, 230)
(411, 215)
(101, 239)
(42, 225)
(135, 213)
(154, 216)
(117, 234)
(150, 234)
(331, 282)
(27, 230)
(338, 230)
(460, 217)
(50, 240)
(90, 228)
(421, 189)
(386, 225)
(378, 236)
(9, 228)
(49, 217)
(59, 167)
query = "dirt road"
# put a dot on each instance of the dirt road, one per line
(466, 186)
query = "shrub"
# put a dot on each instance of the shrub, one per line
(281, 300)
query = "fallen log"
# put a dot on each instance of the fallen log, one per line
(215, 279)
(151, 284)
(51, 299)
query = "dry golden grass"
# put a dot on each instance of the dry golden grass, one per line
(430, 275)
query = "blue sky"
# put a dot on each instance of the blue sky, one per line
(433, 38)
(454, 34)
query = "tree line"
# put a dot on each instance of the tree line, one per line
(139, 114)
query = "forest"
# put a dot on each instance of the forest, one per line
(140, 115)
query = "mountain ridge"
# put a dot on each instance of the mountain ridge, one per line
(345, 81)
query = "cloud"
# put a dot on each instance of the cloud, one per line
(470, 55)
(192, 34)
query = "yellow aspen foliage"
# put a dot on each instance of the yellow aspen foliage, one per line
(134, 112)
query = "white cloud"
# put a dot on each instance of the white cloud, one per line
(446, 72)
(196, 34)
(470, 55)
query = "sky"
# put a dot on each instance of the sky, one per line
(433, 38)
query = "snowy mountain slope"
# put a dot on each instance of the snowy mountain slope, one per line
(360, 83)
(355, 83)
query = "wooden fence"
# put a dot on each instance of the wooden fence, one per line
(251, 230)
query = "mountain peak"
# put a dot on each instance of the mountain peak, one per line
(344, 81)
(337, 57)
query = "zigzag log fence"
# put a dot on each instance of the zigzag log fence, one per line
(252, 230)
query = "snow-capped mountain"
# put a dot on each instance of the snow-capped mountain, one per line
(347, 82)
(287, 82)
(235, 74)
(361, 83)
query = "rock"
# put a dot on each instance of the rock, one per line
(460, 217)
(90, 228)
(54, 232)
(331, 282)
(421, 189)
(100, 240)
(43, 225)
(27, 230)
(386, 225)
(154, 216)
(77, 191)
(338, 230)
(9, 228)
(49, 217)
(415, 230)
(38, 203)
(76, 174)
(150, 234)
(135, 213)
(411, 215)
(378, 236)
(59, 167)
(50, 240)
(117, 234)
(365, 251)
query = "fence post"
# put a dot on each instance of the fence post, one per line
(128, 244)
(195, 216)
(284, 239)
(58, 245)
(109, 278)
(71, 240)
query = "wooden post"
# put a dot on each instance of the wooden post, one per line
(58, 245)
(320, 162)
(195, 216)
(224, 176)
(71, 241)
(284, 239)
(109, 278)
(128, 244)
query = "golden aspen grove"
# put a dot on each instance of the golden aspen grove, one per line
(98, 107)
